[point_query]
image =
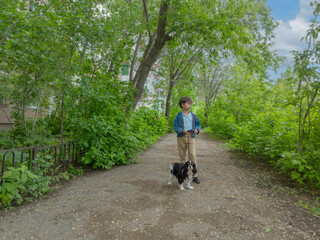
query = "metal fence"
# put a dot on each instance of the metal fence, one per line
(36, 157)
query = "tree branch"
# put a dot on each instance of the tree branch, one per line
(146, 15)
(133, 62)
(6, 33)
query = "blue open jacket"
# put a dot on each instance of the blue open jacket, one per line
(178, 124)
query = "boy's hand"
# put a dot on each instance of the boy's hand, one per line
(185, 132)
(196, 131)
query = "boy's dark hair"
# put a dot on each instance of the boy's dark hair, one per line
(184, 100)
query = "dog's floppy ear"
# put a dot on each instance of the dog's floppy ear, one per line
(194, 170)
(184, 168)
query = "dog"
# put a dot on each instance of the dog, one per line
(183, 172)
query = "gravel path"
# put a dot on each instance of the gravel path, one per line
(233, 201)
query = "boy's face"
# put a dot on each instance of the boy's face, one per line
(186, 106)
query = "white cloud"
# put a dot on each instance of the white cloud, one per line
(289, 33)
(305, 9)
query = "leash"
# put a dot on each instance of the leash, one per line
(190, 131)
(188, 149)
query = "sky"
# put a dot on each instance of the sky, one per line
(293, 17)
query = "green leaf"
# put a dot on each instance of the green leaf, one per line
(7, 174)
(31, 175)
(295, 162)
(11, 188)
(295, 175)
(24, 177)
(301, 168)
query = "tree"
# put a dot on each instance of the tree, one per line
(48, 48)
(307, 70)
(210, 79)
(25, 56)
(176, 65)
(229, 25)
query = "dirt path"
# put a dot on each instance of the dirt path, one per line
(233, 201)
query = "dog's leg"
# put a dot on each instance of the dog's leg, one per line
(170, 175)
(170, 179)
(188, 185)
(181, 187)
(180, 182)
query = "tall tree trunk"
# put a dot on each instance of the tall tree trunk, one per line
(24, 102)
(168, 100)
(24, 114)
(61, 115)
(301, 129)
(206, 110)
(135, 58)
(36, 114)
(150, 57)
(38, 75)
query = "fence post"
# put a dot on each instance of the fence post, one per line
(35, 152)
(66, 156)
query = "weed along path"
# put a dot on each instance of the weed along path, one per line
(237, 199)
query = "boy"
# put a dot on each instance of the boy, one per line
(184, 122)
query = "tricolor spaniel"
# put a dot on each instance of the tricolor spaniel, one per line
(183, 172)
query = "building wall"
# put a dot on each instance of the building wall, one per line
(6, 121)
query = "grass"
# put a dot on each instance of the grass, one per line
(313, 208)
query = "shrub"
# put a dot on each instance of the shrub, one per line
(222, 123)
(18, 136)
(267, 134)
(14, 180)
(301, 166)
(114, 140)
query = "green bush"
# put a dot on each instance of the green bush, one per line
(7, 141)
(116, 139)
(200, 110)
(19, 136)
(265, 121)
(267, 134)
(273, 134)
(222, 123)
(300, 167)
(148, 125)
(13, 186)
